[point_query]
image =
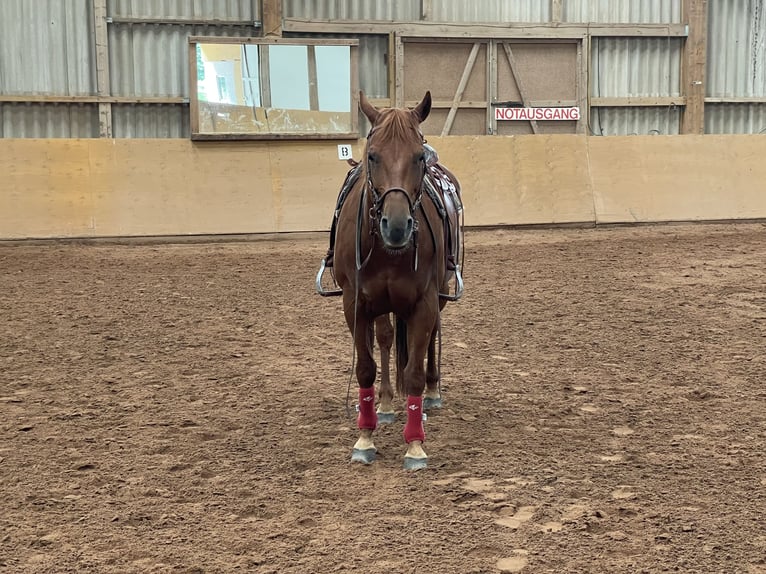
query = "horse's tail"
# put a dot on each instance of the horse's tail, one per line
(401, 355)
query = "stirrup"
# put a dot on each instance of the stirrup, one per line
(458, 287)
(319, 288)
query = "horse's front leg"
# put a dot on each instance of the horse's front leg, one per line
(420, 327)
(384, 332)
(364, 449)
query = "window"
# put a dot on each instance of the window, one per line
(264, 88)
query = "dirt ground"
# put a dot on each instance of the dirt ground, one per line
(181, 408)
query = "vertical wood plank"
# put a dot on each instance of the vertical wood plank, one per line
(313, 86)
(556, 10)
(264, 75)
(583, 60)
(491, 86)
(694, 63)
(355, 88)
(193, 90)
(391, 65)
(102, 67)
(460, 89)
(425, 9)
(271, 18)
(399, 64)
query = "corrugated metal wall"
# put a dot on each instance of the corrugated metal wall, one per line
(490, 11)
(232, 10)
(736, 55)
(402, 10)
(623, 67)
(47, 48)
(623, 11)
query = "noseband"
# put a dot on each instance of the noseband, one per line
(378, 199)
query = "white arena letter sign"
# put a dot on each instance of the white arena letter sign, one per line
(344, 152)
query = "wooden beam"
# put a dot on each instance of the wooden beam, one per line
(481, 104)
(55, 99)
(283, 41)
(461, 88)
(271, 17)
(637, 101)
(694, 62)
(501, 30)
(519, 82)
(227, 136)
(140, 20)
(103, 87)
(736, 100)
(556, 11)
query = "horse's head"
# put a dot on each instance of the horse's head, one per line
(396, 165)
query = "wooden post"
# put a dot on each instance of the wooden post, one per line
(313, 84)
(556, 11)
(491, 86)
(398, 95)
(102, 68)
(193, 90)
(425, 9)
(391, 63)
(271, 18)
(694, 14)
(583, 97)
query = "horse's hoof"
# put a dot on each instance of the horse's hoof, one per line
(432, 403)
(412, 463)
(365, 456)
(386, 418)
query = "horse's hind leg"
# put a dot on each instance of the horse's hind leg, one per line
(432, 398)
(384, 333)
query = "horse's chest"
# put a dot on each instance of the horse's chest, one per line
(385, 294)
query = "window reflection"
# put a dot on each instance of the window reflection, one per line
(274, 88)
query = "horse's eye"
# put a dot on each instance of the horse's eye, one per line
(372, 158)
(422, 158)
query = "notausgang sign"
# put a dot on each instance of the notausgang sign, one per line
(538, 114)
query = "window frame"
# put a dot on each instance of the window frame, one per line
(194, 107)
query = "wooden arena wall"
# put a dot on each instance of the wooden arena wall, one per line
(64, 188)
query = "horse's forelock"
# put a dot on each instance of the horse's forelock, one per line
(396, 124)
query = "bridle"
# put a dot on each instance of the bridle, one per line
(377, 199)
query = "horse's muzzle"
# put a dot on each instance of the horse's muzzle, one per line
(396, 232)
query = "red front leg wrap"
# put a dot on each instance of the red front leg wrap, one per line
(368, 418)
(413, 429)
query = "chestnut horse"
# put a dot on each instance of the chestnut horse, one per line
(395, 251)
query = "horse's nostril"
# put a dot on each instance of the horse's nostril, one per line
(384, 222)
(409, 224)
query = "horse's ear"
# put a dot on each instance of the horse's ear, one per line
(369, 110)
(422, 110)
